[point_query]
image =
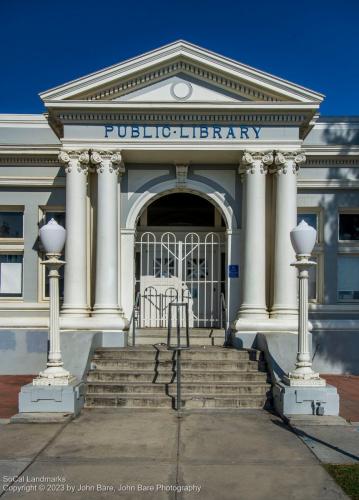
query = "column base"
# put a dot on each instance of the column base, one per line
(79, 311)
(283, 312)
(266, 325)
(106, 310)
(255, 312)
(99, 323)
(322, 400)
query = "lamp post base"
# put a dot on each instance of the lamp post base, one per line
(54, 375)
(303, 380)
(305, 400)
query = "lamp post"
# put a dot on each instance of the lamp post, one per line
(52, 237)
(303, 240)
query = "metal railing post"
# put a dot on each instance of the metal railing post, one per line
(133, 318)
(178, 370)
(178, 347)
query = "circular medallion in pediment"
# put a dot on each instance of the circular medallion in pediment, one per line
(181, 91)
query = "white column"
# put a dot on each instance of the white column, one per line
(254, 168)
(75, 283)
(109, 165)
(285, 303)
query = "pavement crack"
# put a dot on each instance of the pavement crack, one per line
(46, 445)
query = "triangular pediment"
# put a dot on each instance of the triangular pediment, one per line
(180, 88)
(181, 72)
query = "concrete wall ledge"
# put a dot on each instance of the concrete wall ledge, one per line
(333, 352)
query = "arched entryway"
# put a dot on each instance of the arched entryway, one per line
(180, 256)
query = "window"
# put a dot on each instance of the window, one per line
(310, 219)
(11, 275)
(60, 217)
(349, 226)
(11, 224)
(348, 278)
(11, 251)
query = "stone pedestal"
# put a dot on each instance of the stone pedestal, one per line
(52, 399)
(291, 400)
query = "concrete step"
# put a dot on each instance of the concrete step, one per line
(198, 341)
(223, 401)
(233, 388)
(169, 376)
(162, 353)
(198, 336)
(188, 401)
(159, 365)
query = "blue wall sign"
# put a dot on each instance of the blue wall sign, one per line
(171, 132)
(233, 271)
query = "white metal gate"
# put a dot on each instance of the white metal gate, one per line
(180, 267)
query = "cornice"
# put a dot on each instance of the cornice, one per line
(193, 55)
(23, 120)
(326, 184)
(16, 181)
(314, 151)
(254, 106)
(179, 115)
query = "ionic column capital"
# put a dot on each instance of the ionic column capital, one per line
(74, 159)
(253, 161)
(111, 160)
(284, 160)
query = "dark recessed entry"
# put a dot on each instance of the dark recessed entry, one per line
(180, 209)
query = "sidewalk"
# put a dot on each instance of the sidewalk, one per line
(133, 454)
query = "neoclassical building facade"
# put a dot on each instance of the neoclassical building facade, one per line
(179, 175)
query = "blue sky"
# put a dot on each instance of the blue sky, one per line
(45, 43)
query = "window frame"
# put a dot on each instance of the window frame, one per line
(345, 254)
(344, 211)
(15, 298)
(11, 246)
(12, 239)
(318, 251)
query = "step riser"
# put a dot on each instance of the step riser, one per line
(189, 389)
(195, 403)
(205, 341)
(162, 356)
(110, 364)
(186, 377)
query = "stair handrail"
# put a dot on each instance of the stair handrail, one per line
(133, 317)
(178, 347)
(224, 324)
(223, 309)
